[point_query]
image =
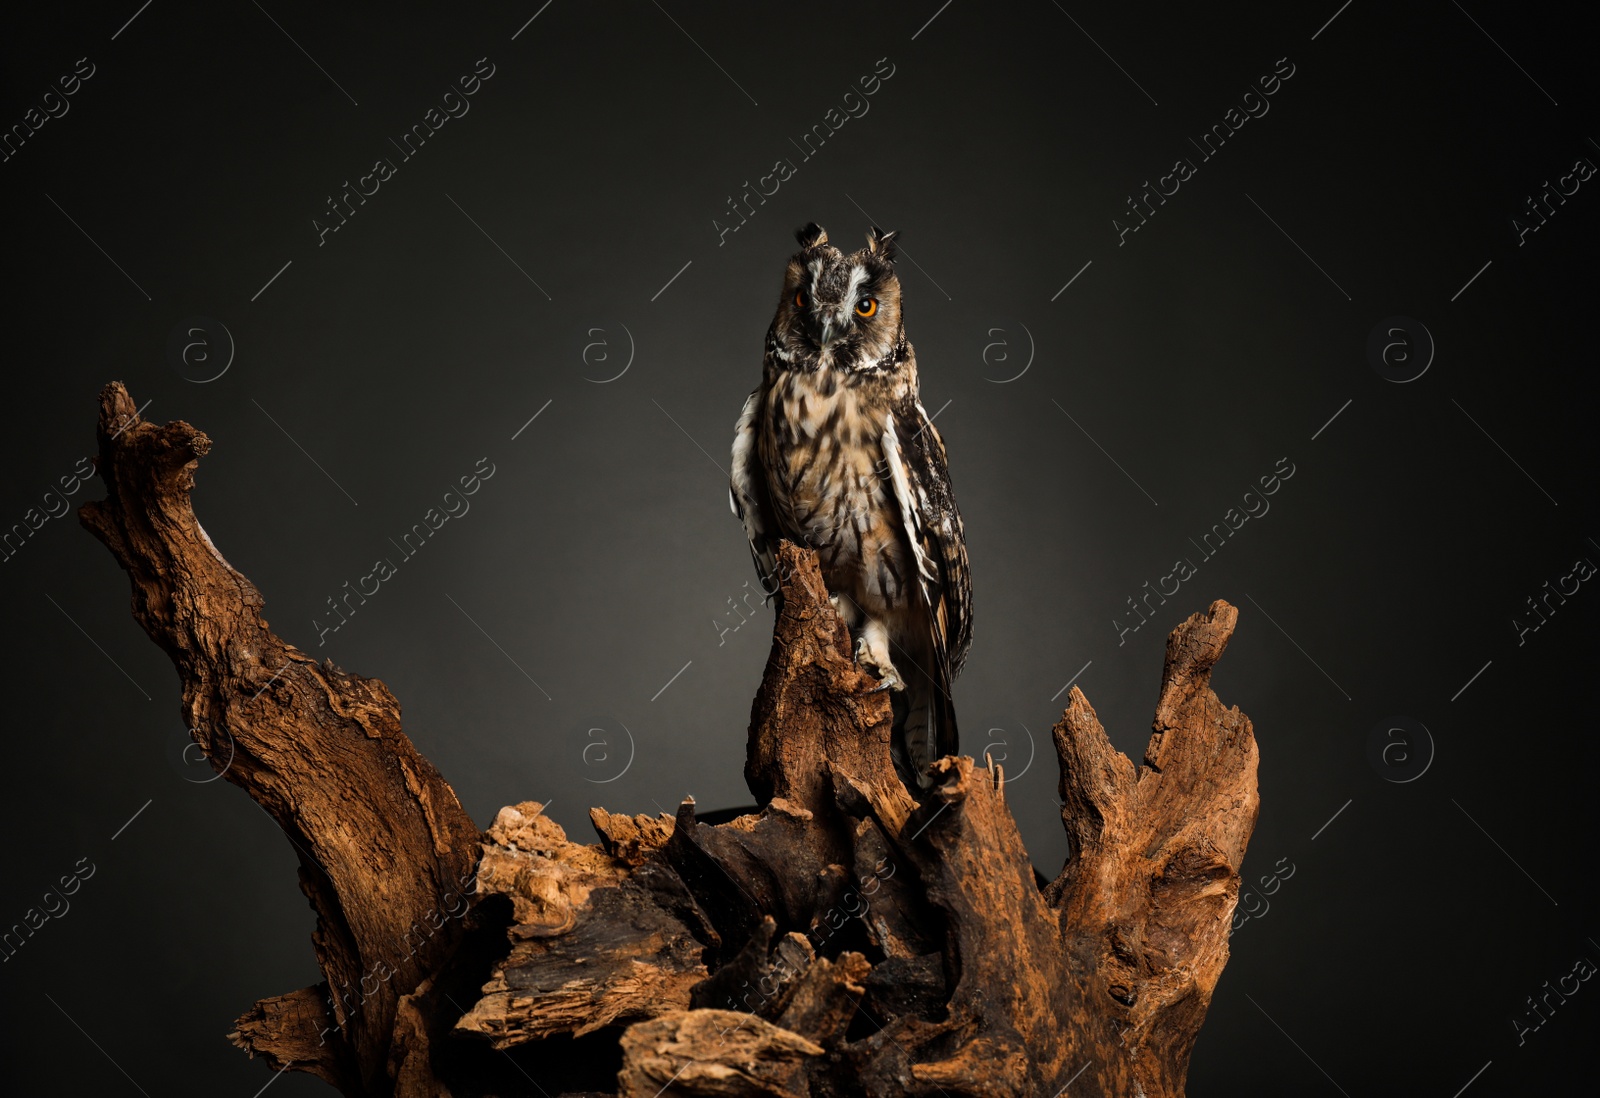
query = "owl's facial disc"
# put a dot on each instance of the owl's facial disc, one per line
(841, 311)
(831, 293)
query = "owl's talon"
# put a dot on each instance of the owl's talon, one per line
(890, 682)
(876, 662)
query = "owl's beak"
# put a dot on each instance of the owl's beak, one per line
(829, 324)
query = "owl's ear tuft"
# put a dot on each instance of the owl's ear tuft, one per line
(812, 235)
(881, 243)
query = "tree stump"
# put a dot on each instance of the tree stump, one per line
(844, 939)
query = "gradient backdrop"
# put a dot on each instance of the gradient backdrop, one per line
(547, 284)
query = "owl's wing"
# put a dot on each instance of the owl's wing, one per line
(920, 475)
(748, 498)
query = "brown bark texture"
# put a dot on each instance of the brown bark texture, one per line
(844, 939)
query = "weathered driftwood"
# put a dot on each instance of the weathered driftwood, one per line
(384, 846)
(845, 939)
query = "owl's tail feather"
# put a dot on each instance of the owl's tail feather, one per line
(924, 722)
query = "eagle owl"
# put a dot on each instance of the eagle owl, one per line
(835, 451)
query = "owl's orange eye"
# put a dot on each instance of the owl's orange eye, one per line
(866, 306)
(799, 299)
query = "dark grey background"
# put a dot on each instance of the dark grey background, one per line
(598, 561)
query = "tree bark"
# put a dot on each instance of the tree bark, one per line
(844, 939)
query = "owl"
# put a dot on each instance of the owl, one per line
(835, 451)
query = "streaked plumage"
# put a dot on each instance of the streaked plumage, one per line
(835, 451)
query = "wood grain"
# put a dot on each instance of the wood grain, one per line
(846, 938)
